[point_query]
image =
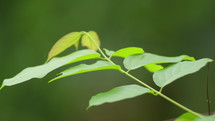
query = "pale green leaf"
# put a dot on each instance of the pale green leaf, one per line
(187, 117)
(109, 52)
(153, 67)
(64, 43)
(207, 118)
(83, 68)
(125, 52)
(76, 45)
(136, 61)
(170, 74)
(42, 70)
(117, 94)
(91, 43)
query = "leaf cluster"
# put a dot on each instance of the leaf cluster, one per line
(134, 58)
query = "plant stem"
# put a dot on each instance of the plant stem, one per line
(207, 91)
(142, 83)
(162, 95)
(97, 46)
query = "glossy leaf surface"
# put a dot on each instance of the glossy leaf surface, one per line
(83, 68)
(117, 94)
(42, 70)
(64, 43)
(136, 61)
(170, 74)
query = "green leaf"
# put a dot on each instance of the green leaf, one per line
(153, 67)
(83, 68)
(207, 118)
(125, 52)
(42, 70)
(117, 94)
(187, 117)
(89, 43)
(109, 52)
(64, 43)
(136, 61)
(170, 74)
(2, 86)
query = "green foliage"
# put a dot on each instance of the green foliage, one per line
(64, 43)
(136, 61)
(187, 117)
(207, 118)
(89, 43)
(83, 68)
(73, 39)
(125, 52)
(109, 52)
(42, 70)
(117, 94)
(134, 58)
(173, 72)
(152, 67)
(190, 117)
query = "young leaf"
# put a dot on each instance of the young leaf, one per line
(170, 74)
(187, 117)
(153, 67)
(89, 43)
(42, 70)
(125, 52)
(83, 68)
(207, 118)
(64, 43)
(117, 94)
(136, 61)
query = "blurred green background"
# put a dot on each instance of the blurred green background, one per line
(28, 29)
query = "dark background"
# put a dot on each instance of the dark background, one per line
(28, 29)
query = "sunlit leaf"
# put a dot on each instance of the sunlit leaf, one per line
(207, 118)
(187, 117)
(64, 43)
(125, 52)
(76, 45)
(83, 68)
(136, 61)
(170, 74)
(89, 43)
(153, 67)
(42, 70)
(117, 94)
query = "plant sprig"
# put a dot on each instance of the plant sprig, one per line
(134, 57)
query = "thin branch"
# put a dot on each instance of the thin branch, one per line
(207, 90)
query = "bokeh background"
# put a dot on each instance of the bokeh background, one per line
(28, 29)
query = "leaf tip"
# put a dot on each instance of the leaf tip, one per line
(210, 60)
(47, 60)
(56, 78)
(51, 80)
(189, 58)
(88, 108)
(2, 86)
